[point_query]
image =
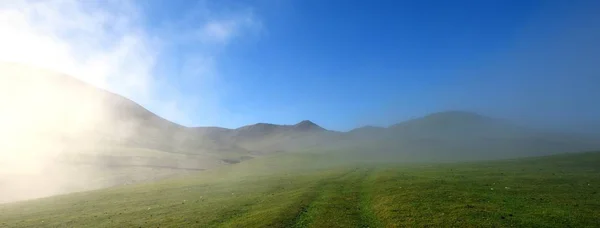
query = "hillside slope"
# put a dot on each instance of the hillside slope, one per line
(60, 134)
(459, 136)
(55, 124)
(76, 113)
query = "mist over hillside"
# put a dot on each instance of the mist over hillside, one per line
(62, 135)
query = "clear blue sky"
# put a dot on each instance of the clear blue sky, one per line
(344, 64)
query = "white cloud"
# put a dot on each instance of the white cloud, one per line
(104, 47)
(106, 44)
(218, 31)
(223, 31)
(223, 28)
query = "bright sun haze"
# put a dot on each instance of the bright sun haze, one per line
(205, 63)
(292, 113)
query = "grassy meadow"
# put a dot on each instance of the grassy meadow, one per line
(331, 190)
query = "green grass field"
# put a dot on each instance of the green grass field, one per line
(323, 190)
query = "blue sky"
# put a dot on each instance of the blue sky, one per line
(344, 64)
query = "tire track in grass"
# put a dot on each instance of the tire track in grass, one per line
(247, 217)
(368, 217)
(239, 208)
(339, 204)
(302, 219)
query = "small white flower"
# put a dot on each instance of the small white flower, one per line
(492, 189)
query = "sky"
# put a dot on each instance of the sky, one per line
(340, 64)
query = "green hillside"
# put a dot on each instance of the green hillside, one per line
(340, 189)
(67, 136)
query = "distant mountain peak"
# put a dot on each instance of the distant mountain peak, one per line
(305, 122)
(307, 125)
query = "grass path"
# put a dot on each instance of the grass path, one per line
(557, 191)
(341, 202)
(287, 208)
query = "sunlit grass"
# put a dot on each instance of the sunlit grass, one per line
(315, 190)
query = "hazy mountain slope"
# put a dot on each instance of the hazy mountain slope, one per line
(457, 135)
(60, 109)
(63, 108)
(79, 115)
(60, 134)
(456, 124)
(65, 117)
(268, 138)
(54, 124)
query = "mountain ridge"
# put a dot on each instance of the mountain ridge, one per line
(65, 124)
(152, 131)
(122, 102)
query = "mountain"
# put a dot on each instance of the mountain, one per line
(264, 129)
(85, 137)
(64, 107)
(268, 138)
(368, 132)
(455, 124)
(460, 135)
(78, 115)
(307, 125)
(62, 135)
(367, 129)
